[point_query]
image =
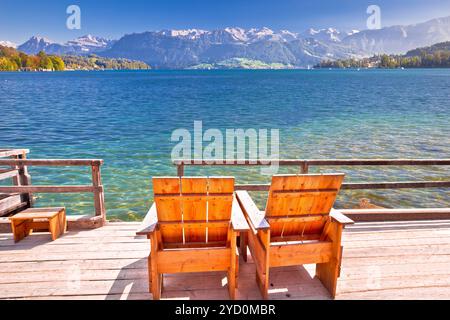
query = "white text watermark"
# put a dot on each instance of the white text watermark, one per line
(233, 145)
(374, 20)
(74, 20)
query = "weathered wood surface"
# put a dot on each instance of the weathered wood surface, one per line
(396, 260)
(74, 222)
(22, 184)
(51, 162)
(99, 194)
(4, 153)
(8, 174)
(51, 189)
(368, 215)
(24, 223)
(365, 186)
(9, 203)
(318, 162)
(305, 164)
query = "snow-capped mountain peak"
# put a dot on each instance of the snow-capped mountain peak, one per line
(36, 44)
(8, 44)
(289, 33)
(233, 34)
(263, 32)
(325, 35)
(238, 34)
(184, 33)
(89, 41)
(352, 32)
(40, 39)
(255, 35)
(311, 32)
(82, 45)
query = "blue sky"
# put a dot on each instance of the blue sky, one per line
(114, 18)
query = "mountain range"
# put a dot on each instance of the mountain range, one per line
(81, 46)
(192, 47)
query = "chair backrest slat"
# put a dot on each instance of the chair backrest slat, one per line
(168, 206)
(193, 208)
(220, 205)
(298, 195)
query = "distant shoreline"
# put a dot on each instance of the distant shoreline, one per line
(212, 70)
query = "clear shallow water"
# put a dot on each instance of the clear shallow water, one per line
(126, 118)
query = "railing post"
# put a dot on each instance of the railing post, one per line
(24, 179)
(304, 169)
(99, 196)
(15, 179)
(180, 169)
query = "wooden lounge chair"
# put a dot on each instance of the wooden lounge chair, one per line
(298, 227)
(193, 227)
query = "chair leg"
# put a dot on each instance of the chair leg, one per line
(232, 270)
(156, 285)
(262, 276)
(232, 284)
(150, 276)
(328, 274)
(155, 278)
(149, 273)
(232, 273)
(237, 271)
(243, 245)
(263, 284)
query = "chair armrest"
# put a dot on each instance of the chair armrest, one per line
(150, 222)
(238, 221)
(255, 217)
(340, 218)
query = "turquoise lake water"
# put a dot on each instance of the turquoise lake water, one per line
(127, 118)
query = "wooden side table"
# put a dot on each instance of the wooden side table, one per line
(51, 219)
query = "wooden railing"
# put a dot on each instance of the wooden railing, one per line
(22, 183)
(13, 202)
(358, 214)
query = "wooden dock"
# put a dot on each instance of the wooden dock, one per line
(399, 258)
(382, 260)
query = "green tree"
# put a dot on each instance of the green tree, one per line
(7, 64)
(58, 63)
(46, 63)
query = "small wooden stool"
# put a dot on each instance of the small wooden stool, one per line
(51, 219)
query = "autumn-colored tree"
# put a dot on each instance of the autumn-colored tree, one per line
(7, 64)
(58, 63)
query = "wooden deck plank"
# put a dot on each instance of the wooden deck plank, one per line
(423, 293)
(381, 261)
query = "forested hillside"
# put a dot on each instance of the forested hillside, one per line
(14, 60)
(436, 56)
